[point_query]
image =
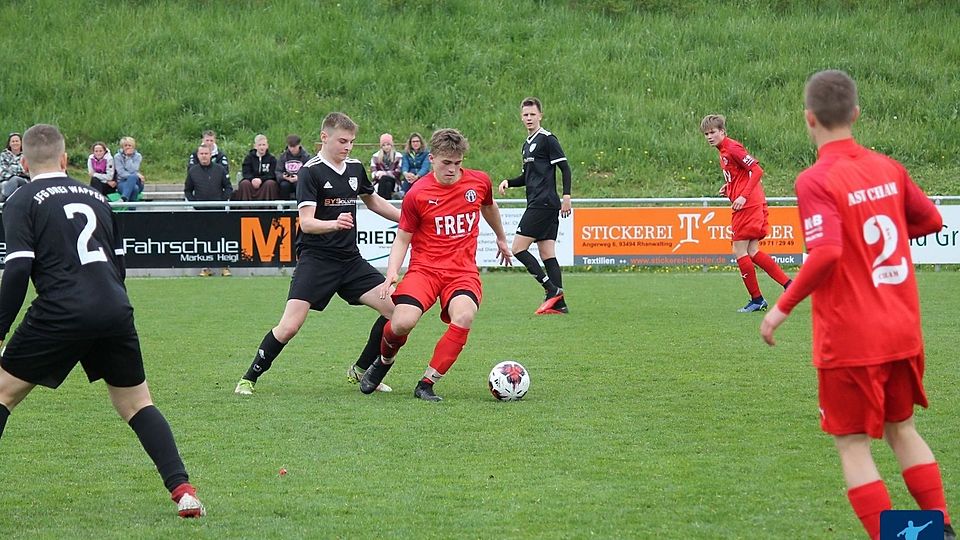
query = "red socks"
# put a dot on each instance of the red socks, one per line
(868, 501)
(181, 490)
(926, 486)
(771, 267)
(391, 342)
(749, 275)
(448, 348)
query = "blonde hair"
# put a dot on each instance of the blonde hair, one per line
(338, 120)
(448, 141)
(43, 144)
(711, 121)
(130, 140)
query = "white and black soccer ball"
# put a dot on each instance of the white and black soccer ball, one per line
(509, 380)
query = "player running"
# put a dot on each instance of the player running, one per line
(62, 234)
(859, 210)
(439, 223)
(742, 185)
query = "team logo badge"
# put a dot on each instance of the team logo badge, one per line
(470, 195)
(354, 183)
(532, 146)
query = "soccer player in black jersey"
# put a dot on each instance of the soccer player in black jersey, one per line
(328, 259)
(542, 156)
(62, 233)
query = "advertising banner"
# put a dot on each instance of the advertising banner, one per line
(675, 236)
(942, 247)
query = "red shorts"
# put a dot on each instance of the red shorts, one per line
(861, 399)
(750, 223)
(427, 286)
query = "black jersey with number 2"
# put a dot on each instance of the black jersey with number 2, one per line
(69, 232)
(333, 191)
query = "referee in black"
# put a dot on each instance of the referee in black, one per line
(62, 233)
(542, 156)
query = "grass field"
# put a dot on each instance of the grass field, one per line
(655, 412)
(624, 83)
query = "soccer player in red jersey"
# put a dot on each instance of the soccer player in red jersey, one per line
(859, 209)
(439, 222)
(741, 175)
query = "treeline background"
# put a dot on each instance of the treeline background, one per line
(624, 84)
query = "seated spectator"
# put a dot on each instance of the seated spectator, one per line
(210, 141)
(207, 181)
(100, 169)
(12, 174)
(259, 182)
(415, 162)
(385, 167)
(126, 163)
(292, 158)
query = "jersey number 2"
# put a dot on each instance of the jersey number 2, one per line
(87, 256)
(877, 228)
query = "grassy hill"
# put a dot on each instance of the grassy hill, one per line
(624, 84)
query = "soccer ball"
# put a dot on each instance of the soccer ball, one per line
(509, 381)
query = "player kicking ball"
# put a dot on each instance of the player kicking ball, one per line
(439, 223)
(63, 234)
(742, 185)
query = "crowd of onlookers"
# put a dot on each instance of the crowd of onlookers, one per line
(262, 177)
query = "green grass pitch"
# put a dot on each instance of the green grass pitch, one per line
(655, 411)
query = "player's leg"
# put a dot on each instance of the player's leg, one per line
(921, 473)
(406, 315)
(371, 351)
(535, 225)
(865, 489)
(768, 264)
(136, 407)
(294, 315)
(12, 392)
(462, 309)
(548, 253)
(749, 275)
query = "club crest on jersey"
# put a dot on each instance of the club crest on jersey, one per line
(354, 183)
(532, 146)
(470, 195)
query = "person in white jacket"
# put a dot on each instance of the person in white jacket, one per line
(100, 169)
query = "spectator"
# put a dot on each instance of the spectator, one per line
(385, 167)
(12, 174)
(292, 158)
(259, 173)
(100, 169)
(126, 163)
(218, 156)
(415, 162)
(207, 181)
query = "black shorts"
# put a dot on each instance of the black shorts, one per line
(539, 223)
(316, 279)
(46, 359)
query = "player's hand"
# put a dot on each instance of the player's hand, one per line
(256, 182)
(722, 191)
(738, 203)
(344, 221)
(503, 253)
(388, 287)
(773, 319)
(566, 208)
(503, 187)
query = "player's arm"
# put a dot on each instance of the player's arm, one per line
(922, 215)
(823, 236)
(398, 252)
(754, 174)
(13, 289)
(566, 176)
(491, 214)
(380, 206)
(311, 225)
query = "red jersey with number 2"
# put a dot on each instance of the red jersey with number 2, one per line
(741, 173)
(445, 221)
(867, 311)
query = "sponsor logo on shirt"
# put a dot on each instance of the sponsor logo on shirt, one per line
(748, 160)
(813, 227)
(455, 226)
(327, 186)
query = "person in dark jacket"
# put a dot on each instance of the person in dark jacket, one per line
(217, 155)
(207, 181)
(259, 181)
(290, 161)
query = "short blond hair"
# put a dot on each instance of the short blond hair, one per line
(447, 142)
(711, 121)
(43, 145)
(130, 140)
(338, 120)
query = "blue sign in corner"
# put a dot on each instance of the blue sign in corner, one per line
(911, 525)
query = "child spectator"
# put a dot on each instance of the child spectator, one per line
(259, 173)
(100, 169)
(385, 167)
(292, 158)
